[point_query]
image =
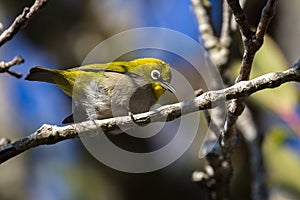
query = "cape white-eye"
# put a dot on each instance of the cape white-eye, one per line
(110, 89)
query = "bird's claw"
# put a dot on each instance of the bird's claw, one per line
(137, 122)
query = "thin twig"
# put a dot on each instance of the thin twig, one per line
(218, 48)
(265, 19)
(246, 125)
(21, 21)
(49, 134)
(5, 66)
(240, 17)
(253, 41)
(233, 23)
(205, 27)
(225, 38)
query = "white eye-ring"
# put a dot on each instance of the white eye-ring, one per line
(155, 74)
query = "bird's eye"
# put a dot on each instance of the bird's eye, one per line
(155, 74)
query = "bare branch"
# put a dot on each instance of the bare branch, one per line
(253, 139)
(218, 48)
(233, 23)
(49, 134)
(21, 21)
(225, 38)
(252, 45)
(205, 27)
(5, 66)
(253, 42)
(240, 18)
(265, 19)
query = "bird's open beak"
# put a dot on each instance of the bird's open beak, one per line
(167, 86)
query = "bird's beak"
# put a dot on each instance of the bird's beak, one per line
(167, 86)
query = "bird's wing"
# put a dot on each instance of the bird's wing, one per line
(118, 67)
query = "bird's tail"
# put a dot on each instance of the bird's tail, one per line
(57, 77)
(42, 74)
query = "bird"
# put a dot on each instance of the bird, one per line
(117, 88)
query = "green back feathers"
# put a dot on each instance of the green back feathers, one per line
(138, 66)
(65, 79)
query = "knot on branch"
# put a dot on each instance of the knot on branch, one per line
(5, 66)
(252, 43)
(4, 141)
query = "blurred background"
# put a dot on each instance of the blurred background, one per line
(64, 32)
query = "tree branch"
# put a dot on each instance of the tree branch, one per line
(5, 66)
(50, 134)
(246, 125)
(218, 48)
(265, 19)
(210, 41)
(253, 41)
(240, 18)
(21, 21)
(251, 45)
(220, 161)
